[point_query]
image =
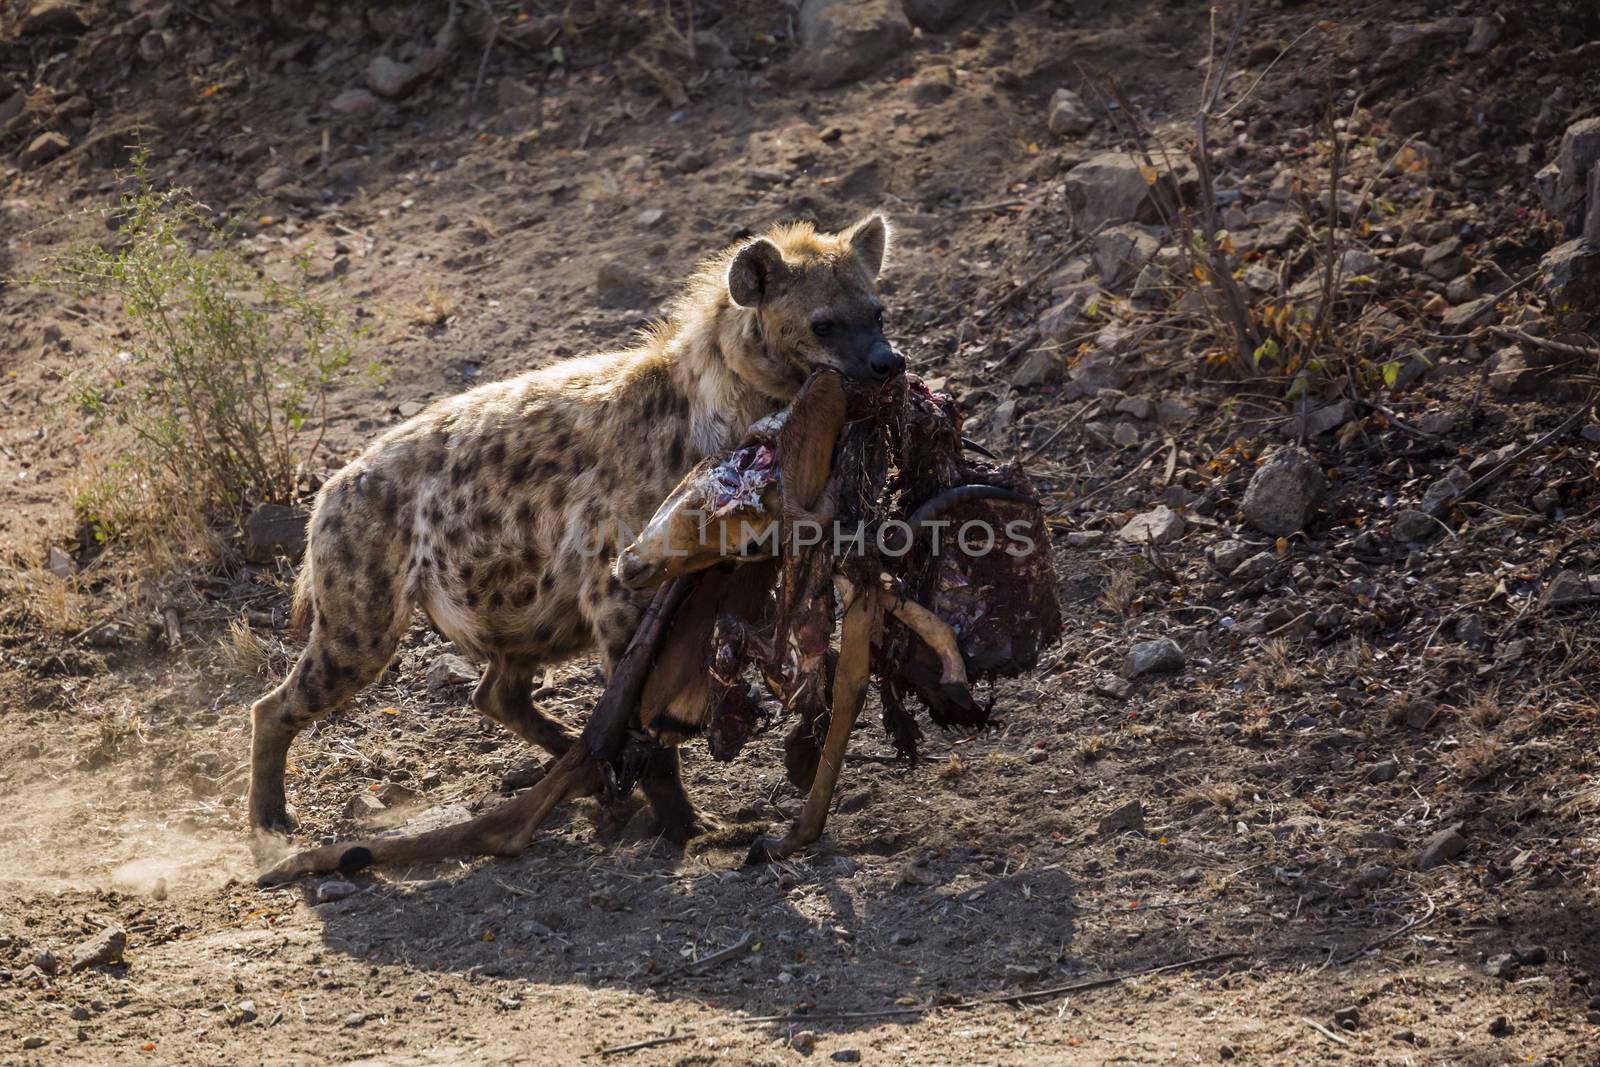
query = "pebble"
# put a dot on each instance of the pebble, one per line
(335, 889)
(1441, 848)
(804, 1041)
(1129, 816)
(1147, 657)
(1161, 525)
(355, 1018)
(1283, 492)
(102, 950)
(846, 1055)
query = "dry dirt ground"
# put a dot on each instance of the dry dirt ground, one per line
(1336, 711)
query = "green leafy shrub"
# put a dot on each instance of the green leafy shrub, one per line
(219, 399)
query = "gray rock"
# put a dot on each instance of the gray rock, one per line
(1255, 568)
(1151, 657)
(353, 103)
(1486, 30)
(448, 671)
(43, 148)
(1226, 556)
(1511, 373)
(1283, 492)
(274, 530)
(1441, 848)
(1439, 496)
(59, 563)
(846, 1055)
(1413, 525)
(1502, 966)
(1161, 525)
(1126, 435)
(364, 806)
(1465, 316)
(1109, 685)
(847, 41)
(1109, 187)
(1129, 816)
(1570, 275)
(1005, 413)
(52, 16)
(1038, 367)
(391, 78)
(1553, 193)
(1443, 260)
(1069, 115)
(712, 52)
(102, 950)
(1387, 771)
(1461, 290)
(1121, 252)
(335, 889)
(1579, 151)
(1566, 587)
(1591, 221)
(1061, 319)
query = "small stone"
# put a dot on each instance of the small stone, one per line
(390, 78)
(243, 1012)
(1510, 373)
(274, 530)
(1022, 974)
(1283, 492)
(846, 1055)
(1255, 568)
(448, 671)
(1443, 260)
(1567, 587)
(102, 950)
(1005, 413)
(46, 961)
(1499, 1027)
(1035, 755)
(804, 1041)
(606, 900)
(353, 103)
(1347, 1018)
(1461, 290)
(1441, 848)
(410, 408)
(846, 42)
(153, 47)
(355, 1018)
(1151, 657)
(1387, 771)
(79, 1014)
(364, 806)
(1226, 556)
(1069, 115)
(1126, 435)
(1038, 368)
(1161, 525)
(1109, 187)
(43, 148)
(1502, 966)
(1109, 685)
(34, 1042)
(1444, 492)
(59, 563)
(1129, 816)
(335, 889)
(1414, 525)
(618, 285)
(649, 217)
(1466, 316)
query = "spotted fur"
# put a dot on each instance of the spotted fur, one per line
(499, 511)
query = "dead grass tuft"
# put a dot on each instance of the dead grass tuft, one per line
(434, 309)
(244, 655)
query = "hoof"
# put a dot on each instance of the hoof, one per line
(763, 850)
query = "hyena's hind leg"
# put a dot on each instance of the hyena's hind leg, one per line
(358, 617)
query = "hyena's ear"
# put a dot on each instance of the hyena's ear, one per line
(756, 273)
(869, 240)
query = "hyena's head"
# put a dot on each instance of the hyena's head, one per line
(815, 299)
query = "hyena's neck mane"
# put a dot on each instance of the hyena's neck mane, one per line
(701, 338)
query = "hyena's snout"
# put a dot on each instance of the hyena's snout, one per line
(884, 362)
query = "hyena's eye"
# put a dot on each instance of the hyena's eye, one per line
(822, 327)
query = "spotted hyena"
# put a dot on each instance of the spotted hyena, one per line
(498, 511)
